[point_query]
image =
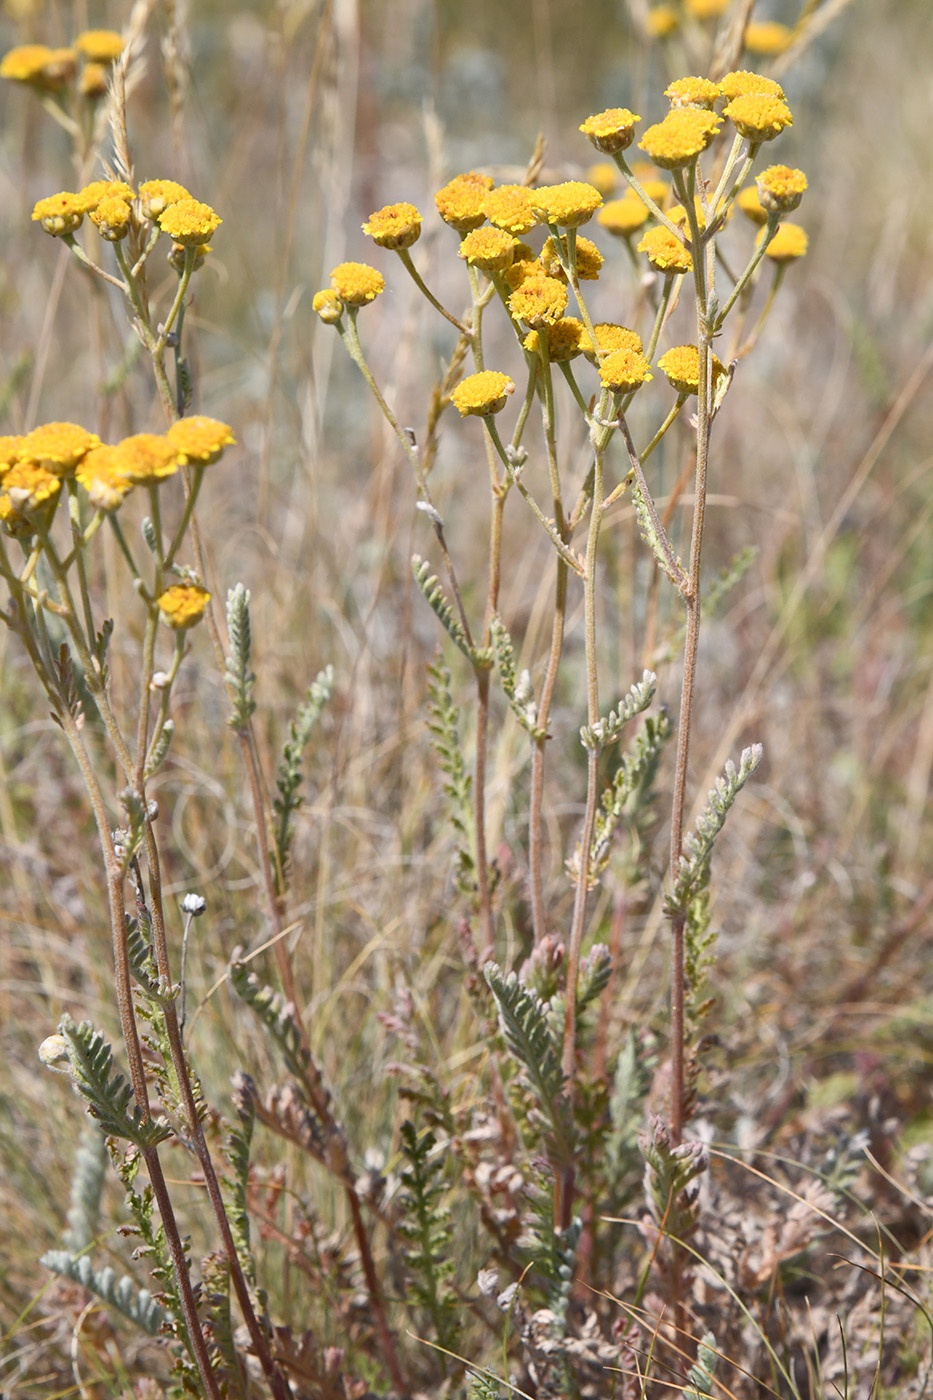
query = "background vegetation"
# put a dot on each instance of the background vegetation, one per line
(295, 121)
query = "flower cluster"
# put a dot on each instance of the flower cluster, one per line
(116, 209)
(86, 63)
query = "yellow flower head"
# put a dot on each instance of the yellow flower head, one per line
(623, 216)
(510, 208)
(665, 252)
(750, 205)
(568, 205)
(624, 371)
(741, 82)
(682, 367)
(521, 270)
(589, 259)
(396, 226)
(683, 134)
(539, 301)
(155, 196)
(788, 243)
(612, 130)
(356, 284)
(9, 452)
(100, 473)
(190, 223)
(460, 203)
(183, 605)
(706, 9)
(93, 80)
(328, 306)
(767, 38)
(29, 485)
(780, 188)
(100, 45)
(661, 21)
(489, 249)
(57, 447)
(25, 63)
(59, 214)
(758, 116)
(610, 337)
(92, 194)
(604, 176)
(482, 393)
(564, 339)
(112, 217)
(692, 92)
(146, 458)
(200, 440)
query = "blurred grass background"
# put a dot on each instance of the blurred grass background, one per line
(295, 121)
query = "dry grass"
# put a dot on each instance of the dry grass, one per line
(295, 125)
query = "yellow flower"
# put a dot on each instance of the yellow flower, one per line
(482, 393)
(460, 202)
(155, 196)
(564, 339)
(356, 284)
(92, 194)
(189, 223)
(29, 485)
(521, 270)
(177, 256)
(396, 226)
(788, 243)
(610, 337)
(100, 45)
(661, 21)
(9, 452)
(25, 63)
(780, 188)
(102, 477)
(768, 38)
(200, 440)
(510, 208)
(59, 213)
(589, 259)
(569, 205)
(682, 367)
(328, 306)
(112, 217)
(758, 116)
(706, 9)
(612, 130)
(93, 80)
(624, 371)
(623, 216)
(683, 134)
(750, 205)
(604, 176)
(692, 92)
(146, 458)
(665, 252)
(183, 605)
(57, 447)
(489, 249)
(539, 301)
(741, 82)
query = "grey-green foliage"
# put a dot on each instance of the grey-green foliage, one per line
(108, 1095)
(693, 871)
(160, 748)
(237, 1150)
(656, 541)
(87, 1185)
(136, 1304)
(445, 741)
(424, 1224)
(484, 1386)
(606, 731)
(238, 676)
(276, 1014)
(437, 602)
(142, 963)
(631, 787)
(630, 1083)
(532, 1041)
(288, 778)
(702, 1373)
(671, 1184)
(518, 690)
